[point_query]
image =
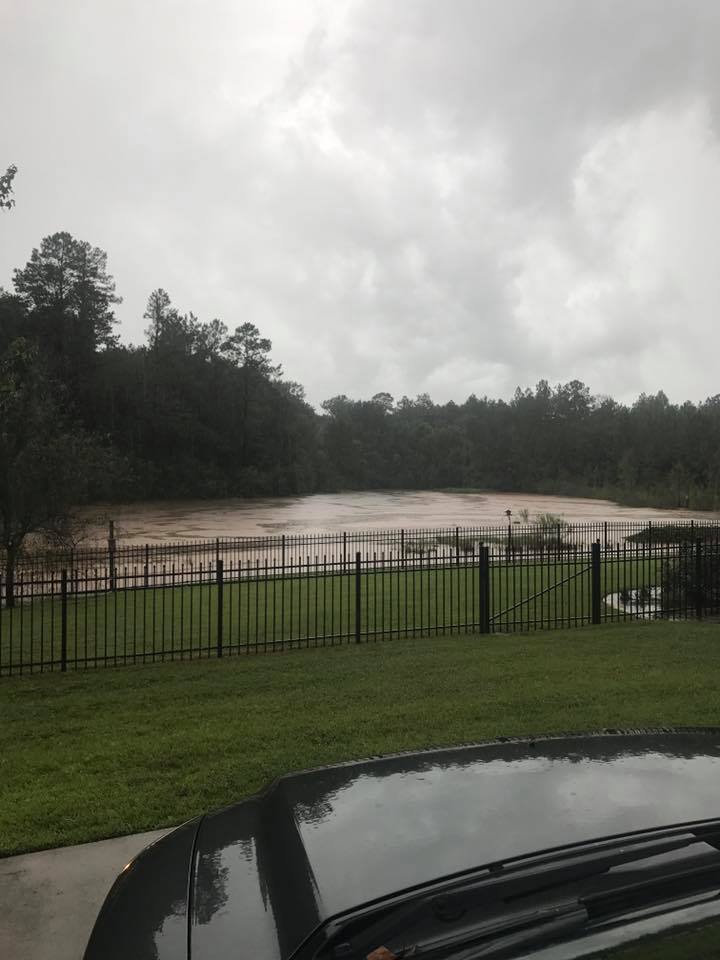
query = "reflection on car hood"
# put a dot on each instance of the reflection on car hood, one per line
(269, 869)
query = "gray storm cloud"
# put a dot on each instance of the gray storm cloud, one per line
(405, 196)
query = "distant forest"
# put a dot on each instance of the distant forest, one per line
(202, 409)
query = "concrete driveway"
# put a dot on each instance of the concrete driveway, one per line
(50, 899)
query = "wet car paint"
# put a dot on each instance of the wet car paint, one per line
(264, 872)
(145, 913)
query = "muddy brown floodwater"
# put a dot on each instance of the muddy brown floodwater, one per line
(155, 522)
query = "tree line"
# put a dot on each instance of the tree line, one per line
(200, 408)
(551, 439)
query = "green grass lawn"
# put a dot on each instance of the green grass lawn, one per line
(699, 942)
(106, 752)
(172, 622)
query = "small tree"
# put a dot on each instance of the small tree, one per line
(551, 528)
(158, 311)
(689, 581)
(550, 520)
(247, 349)
(250, 352)
(46, 460)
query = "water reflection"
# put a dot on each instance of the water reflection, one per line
(210, 885)
(323, 841)
(263, 895)
(314, 795)
(147, 915)
(406, 821)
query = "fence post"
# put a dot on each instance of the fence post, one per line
(698, 579)
(344, 560)
(219, 607)
(111, 554)
(595, 592)
(282, 549)
(63, 621)
(358, 604)
(484, 589)
(147, 565)
(402, 547)
(457, 546)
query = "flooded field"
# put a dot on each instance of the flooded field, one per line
(174, 543)
(163, 521)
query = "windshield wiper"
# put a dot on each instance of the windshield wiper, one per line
(497, 938)
(497, 886)
(505, 936)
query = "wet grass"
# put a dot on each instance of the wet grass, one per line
(699, 942)
(181, 622)
(107, 752)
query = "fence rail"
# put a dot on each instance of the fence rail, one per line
(515, 539)
(75, 618)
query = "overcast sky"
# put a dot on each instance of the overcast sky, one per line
(450, 196)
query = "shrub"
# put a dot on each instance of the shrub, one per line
(464, 545)
(675, 533)
(550, 520)
(687, 585)
(644, 596)
(418, 548)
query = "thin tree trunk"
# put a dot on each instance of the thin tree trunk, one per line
(244, 417)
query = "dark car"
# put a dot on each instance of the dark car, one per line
(557, 846)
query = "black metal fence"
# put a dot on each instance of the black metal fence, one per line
(512, 539)
(77, 618)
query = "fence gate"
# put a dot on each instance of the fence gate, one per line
(529, 593)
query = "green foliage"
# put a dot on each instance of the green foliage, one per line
(689, 583)
(464, 545)
(674, 533)
(419, 548)
(559, 440)
(551, 521)
(698, 941)
(68, 297)
(6, 188)
(199, 410)
(645, 595)
(66, 287)
(47, 461)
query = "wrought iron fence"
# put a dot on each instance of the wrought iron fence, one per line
(78, 618)
(509, 540)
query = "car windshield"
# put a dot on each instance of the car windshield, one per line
(510, 908)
